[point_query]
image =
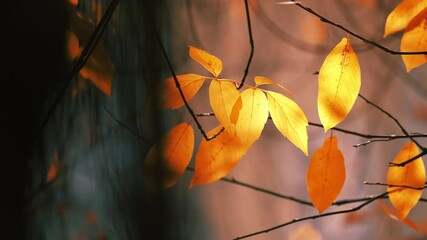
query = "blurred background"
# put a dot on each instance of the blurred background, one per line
(99, 143)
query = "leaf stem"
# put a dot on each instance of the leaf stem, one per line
(251, 42)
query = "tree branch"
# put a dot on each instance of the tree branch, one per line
(251, 42)
(323, 19)
(315, 217)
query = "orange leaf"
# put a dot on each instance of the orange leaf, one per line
(399, 18)
(326, 174)
(169, 94)
(217, 157)
(415, 40)
(339, 84)
(412, 175)
(289, 119)
(251, 113)
(208, 61)
(222, 95)
(166, 161)
(263, 80)
(394, 215)
(99, 68)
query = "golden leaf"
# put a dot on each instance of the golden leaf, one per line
(339, 84)
(411, 175)
(250, 112)
(208, 61)
(222, 95)
(399, 18)
(167, 160)
(217, 157)
(325, 174)
(169, 94)
(263, 80)
(415, 40)
(289, 119)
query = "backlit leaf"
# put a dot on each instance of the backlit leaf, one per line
(289, 119)
(217, 157)
(169, 94)
(411, 175)
(339, 84)
(394, 215)
(326, 174)
(252, 111)
(263, 80)
(167, 159)
(415, 40)
(222, 95)
(399, 18)
(208, 61)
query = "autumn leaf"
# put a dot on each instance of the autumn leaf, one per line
(410, 175)
(263, 80)
(52, 173)
(208, 61)
(415, 40)
(217, 157)
(250, 112)
(339, 84)
(325, 174)
(169, 94)
(400, 17)
(394, 215)
(289, 119)
(99, 68)
(167, 160)
(222, 95)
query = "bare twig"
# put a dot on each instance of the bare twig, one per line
(251, 42)
(394, 119)
(323, 19)
(394, 185)
(84, 56)
(315, 217)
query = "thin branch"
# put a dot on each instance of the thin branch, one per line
(368, 136)
(84, 56)
(409, 160)
(394, 185)
(181, 93)
(323, 19)
(394, 119)
(251, 42)
(315, 217)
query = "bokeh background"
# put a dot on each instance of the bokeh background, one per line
(100, 143)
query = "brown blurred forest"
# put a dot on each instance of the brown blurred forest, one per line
(99, 143)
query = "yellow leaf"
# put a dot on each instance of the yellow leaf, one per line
(325, 174)
(252, 111)
(222, 95)
(339, 84)
(208, 61)
(166, 161)
(393, 215)
(305, 231)
(169, 93)
(289, 119)
(99, 68)
(399, 18)
(263, 80)
(412, 175)
(217, 157)
(415, 40)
